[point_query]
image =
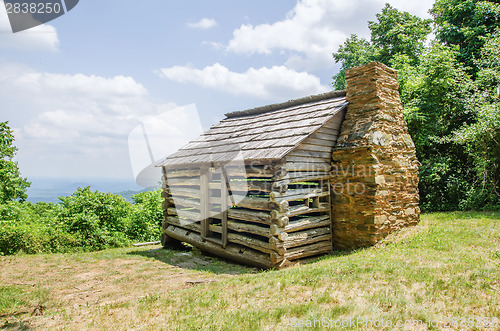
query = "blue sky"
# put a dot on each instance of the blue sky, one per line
(75, 88)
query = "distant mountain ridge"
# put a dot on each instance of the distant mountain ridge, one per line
(50, 189)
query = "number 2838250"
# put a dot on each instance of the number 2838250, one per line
(33, 8)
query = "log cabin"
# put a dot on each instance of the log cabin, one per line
(277, 184)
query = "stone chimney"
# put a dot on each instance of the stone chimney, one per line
(375, 168)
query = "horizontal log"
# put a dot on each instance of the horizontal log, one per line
(321, 247)
(255, 203)
(304, 176)
(297, 194)
(300, 210)
(185, 192)
(181, 202)
(249, 228)
(234, 252)
(183, 173)
(308, 223)
(251, 185)
(250, 215)
(307, 159)
(307, 237)
(249, 242)
(174, 221)
(215, 228)
(307, 166)
(190, 215)
(191, 181)
(250, 171)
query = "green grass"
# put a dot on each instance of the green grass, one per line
(445, 269)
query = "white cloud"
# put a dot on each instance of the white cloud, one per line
(73, 124)
(42, 37)
(203, 24)
(314, 29)
(266, 83)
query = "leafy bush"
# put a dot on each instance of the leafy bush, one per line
(85, 220)
(33, 238)
(146, 217)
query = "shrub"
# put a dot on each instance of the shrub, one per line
(146, 217)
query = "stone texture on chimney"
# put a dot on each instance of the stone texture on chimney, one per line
(375, 168)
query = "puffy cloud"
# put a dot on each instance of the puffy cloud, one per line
(265, 83)
(73, 123)
(203, 24)
(314, 29)
(42, 37)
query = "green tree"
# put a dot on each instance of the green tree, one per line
(12, 185)
(354, 52)
(437, 101)
(465, 23)
(398, 32)
(482, 137)
(394, 33)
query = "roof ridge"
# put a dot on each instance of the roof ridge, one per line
(286, 104)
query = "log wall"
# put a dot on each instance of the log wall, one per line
(272, 215)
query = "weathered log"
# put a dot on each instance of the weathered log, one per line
(250, 185)
(249, 228)
(280, 186)
(190, 215)
(278, 232)
(181, 202)
(297, 177)
(307, 237)
(306, 159)
(183, 173)
(185, 224)
(297, 194)
(249, 242)
(276, 258)
(250, 171)
(308, 166)
(277, 245)
(191, 181)
(300, 210)
(250, 215)
(186, 192)
(308, 250)
(279, 219)
(234, 252)
(255, 203)
(308, 223)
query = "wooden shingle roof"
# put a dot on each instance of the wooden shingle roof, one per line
(265, 133)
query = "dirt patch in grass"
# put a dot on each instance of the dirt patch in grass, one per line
(55, 284)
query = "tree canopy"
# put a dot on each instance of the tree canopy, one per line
(12, 185)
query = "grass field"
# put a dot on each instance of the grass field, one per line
(442, 274)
